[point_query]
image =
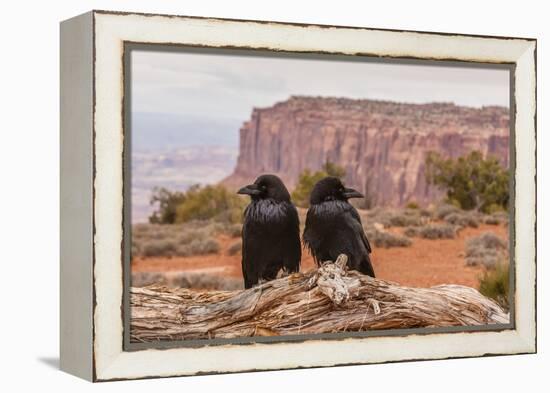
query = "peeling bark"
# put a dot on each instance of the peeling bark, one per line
(328, 300)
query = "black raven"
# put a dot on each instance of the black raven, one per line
(271, 231)
(333, 226)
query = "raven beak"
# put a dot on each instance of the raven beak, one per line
(351, 193)
(251, 189)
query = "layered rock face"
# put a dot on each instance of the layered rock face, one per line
(382, 145)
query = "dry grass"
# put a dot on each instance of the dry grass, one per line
(495, 283)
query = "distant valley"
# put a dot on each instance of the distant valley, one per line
(176, 151)
(176, 169)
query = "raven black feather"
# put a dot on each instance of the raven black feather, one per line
(271, 232)
(333, 226)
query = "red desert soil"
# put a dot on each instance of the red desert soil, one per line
(426, 263)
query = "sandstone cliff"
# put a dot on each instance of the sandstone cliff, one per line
(381, 144)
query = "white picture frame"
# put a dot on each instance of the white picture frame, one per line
(92, 194)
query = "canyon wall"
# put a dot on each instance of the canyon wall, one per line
(381, 145)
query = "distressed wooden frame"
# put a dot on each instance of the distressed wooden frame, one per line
(92, 194)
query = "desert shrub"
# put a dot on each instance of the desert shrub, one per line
(486, 250)
(142, 279)
(200, 246)
(463, 219)
(470, 181)
(495, 284)
(487, 258)
(307, 179)
(405, 218)
(498, 218)
(433, 231)
(501, 215)
(487, 240)
(443, 210)
(192, 238)
(412, 205)
(185, 233)
(235, 248)
(159, 248)
(395, 217)
(204, 281)
(490, 220)
(378, 215)
(427, 213)
(388, 240)
(198, 281)
(233, 230)
(385, 239)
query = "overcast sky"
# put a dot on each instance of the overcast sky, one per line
(222, 86)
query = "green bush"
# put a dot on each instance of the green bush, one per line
(307, 179)
(167, 203)
(210, 203)
(495, 284)
(470, 181)
(412, 205)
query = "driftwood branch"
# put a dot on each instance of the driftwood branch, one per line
(330, 299)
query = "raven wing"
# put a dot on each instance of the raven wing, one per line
(249, 276)
(312, 240)
(362, 260)
(358, 227)
(293, 248)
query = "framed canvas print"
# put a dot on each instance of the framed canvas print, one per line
(247, 195)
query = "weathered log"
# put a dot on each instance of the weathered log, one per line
(328, 300)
